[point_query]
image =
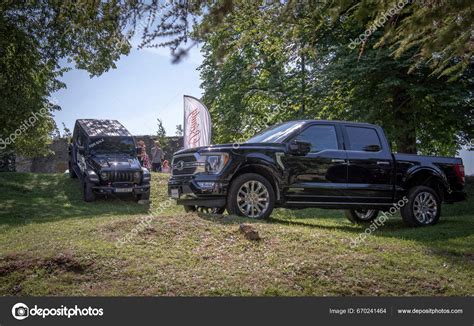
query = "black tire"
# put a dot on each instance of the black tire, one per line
(144, 196)
(423, 207)
(234, 198)
(72, 174)
(361, 216)
(89, 195)
(206, 210)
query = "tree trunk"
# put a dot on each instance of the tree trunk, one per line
(405, 124)
(303, 82)
(406, 142)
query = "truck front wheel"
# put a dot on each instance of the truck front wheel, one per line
(251, 195)
(89, 195)
(143, 196)
(361, 215)
(423, 207)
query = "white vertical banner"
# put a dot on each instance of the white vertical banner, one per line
(197, 123)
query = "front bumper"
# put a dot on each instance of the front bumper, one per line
(198, 190)
(122, 188)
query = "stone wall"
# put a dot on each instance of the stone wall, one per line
(173, 144)
(57, 161)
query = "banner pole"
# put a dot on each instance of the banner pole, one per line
(184, 120)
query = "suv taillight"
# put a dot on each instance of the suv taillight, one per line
(459, 168)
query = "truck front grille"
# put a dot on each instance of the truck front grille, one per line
(120, 176)
(184, 165)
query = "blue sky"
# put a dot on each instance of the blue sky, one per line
(144, 86)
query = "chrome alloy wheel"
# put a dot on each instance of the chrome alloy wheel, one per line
(364, 214)
(253, 199)
(425, 207)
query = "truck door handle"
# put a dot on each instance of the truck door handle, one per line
(383, 163)
(337, 160)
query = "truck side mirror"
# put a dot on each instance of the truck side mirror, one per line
(138, 150)
(298, 147)
(372, 148)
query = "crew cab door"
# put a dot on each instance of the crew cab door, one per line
(370, 164)
(320, 175)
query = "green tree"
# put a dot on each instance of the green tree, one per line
(36, 37)
(179, 130)
(161, 133)
(252, 65)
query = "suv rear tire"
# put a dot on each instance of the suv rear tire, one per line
(89, 195)
(423, 207)
(360, 216)
(251, 195)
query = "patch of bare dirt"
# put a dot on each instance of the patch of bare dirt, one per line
(63, 262)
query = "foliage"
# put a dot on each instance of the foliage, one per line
(161, 133)
(269, 54)
(252, 66)
(179, 130)
(438, 32)
(36, 37)
(435, 32)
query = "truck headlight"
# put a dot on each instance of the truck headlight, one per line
(146, 175)
(93, 177)
(212, 163)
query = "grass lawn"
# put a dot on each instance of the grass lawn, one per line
(53, 243)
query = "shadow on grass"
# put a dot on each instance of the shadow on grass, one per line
(449, 238)
(36, 198)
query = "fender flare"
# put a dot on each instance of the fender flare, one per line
(270, 170)
(438, 176)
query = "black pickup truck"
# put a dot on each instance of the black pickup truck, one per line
(314, 163)
(103, 154)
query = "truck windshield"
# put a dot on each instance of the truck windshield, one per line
(276, 133)
(112, 145)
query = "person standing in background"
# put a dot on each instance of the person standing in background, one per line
(157, 156)
(146, 159)
(141, 145)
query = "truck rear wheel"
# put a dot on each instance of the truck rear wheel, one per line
(251, 195)
(89, 195)
(423, 207)
(361, 215)
(206, 210)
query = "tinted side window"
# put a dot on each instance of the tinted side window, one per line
(320, 137)
(361, 138)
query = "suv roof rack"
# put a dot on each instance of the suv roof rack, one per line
(103, 128)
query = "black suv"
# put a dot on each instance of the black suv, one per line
(103, 154)
(308, 163)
